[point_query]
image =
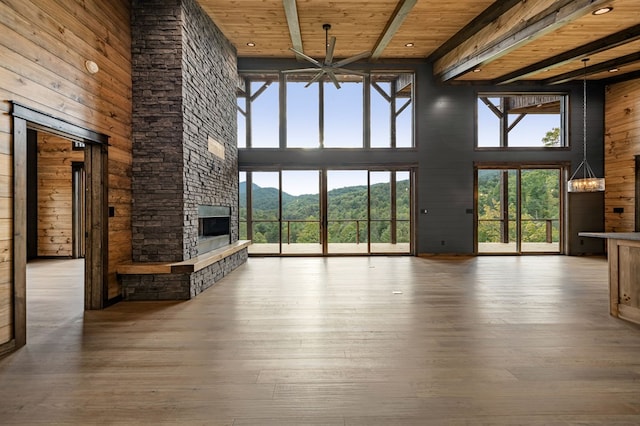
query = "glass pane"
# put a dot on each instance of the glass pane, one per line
(540, 210)
(532, 120)
(403, 212)
(302, 115)
(347, 211)
(265, 195)
(404, 124)
(380, 114)
(488, 122)
(343, 115)
(404, 120)
(265, 124)
(301, 212)
(242, 201)
(541, 130)
(497, 211)
(380, 211)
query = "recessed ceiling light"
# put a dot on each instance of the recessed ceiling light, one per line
(602, 10)
(477, 70)
(614, 70)
(251, 44)
(409, 45)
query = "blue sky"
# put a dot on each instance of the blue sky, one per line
(343, 128)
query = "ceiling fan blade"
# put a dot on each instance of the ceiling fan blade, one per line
(314, 79)
(351, 59)
(333, 78)
(300, 70)
(330, 50)
(308, 58)
(348, 71)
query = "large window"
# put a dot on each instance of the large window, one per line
(365, 112)
(391, 110)
(326, 211)
(521, 121)
(343, 115)
(303, 114)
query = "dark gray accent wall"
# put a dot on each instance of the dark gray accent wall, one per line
(184, 78)
(445, 155)
(445, 121)
(446, 125)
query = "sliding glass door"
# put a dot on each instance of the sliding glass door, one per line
(326, 212)
(301, 231)
(518, 210)
(347, 212)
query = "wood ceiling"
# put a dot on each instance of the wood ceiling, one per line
(502, 41)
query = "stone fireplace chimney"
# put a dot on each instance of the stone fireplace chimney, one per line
(184, 133)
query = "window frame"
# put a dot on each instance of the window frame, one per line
(564, 145)
(282, 79)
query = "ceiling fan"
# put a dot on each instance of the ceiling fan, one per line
(328, 67)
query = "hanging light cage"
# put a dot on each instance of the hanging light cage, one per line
(588, 182)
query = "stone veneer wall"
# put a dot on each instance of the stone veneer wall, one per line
(184, 94)
(157, 122)
(210, 111)
(179, 286)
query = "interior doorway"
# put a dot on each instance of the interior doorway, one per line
(56, 187)
(91, 208)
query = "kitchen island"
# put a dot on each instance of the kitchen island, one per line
(624, 273)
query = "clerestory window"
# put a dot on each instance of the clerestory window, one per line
(292, 111)
(526, 120)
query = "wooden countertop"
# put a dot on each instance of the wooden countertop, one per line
(631, 236)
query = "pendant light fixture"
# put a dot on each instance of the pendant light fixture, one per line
(587, 182)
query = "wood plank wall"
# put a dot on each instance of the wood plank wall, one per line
(43, 48)
(621, 144)
(55, 195)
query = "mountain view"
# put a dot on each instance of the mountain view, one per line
(540, 199)
(347, 214)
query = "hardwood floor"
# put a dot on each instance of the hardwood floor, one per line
(334, 341)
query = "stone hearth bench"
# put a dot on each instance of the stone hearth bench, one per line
(180, 280)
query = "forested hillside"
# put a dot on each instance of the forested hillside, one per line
(347, 214)
(540, 200)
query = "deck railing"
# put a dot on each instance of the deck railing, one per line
(288, 222)
(504, 223)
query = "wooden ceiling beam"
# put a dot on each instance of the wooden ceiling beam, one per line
(485, 18)
(291, 12)
(594, 69)
(614, 40)
(556, 15)
(393, 24)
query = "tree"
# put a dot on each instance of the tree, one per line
(552, 137)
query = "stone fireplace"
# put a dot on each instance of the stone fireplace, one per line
(214, 229)
(185, 162)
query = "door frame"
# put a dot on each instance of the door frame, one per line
(96, 255)
(519, 167)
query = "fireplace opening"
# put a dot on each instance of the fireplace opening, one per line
(214, 227)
